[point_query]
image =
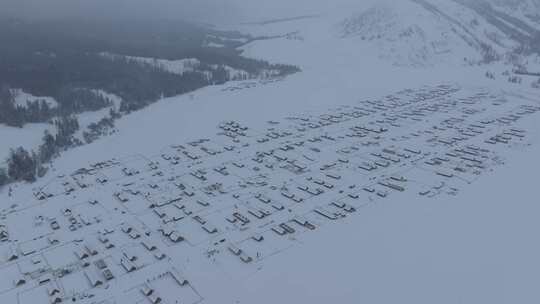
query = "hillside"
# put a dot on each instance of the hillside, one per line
(430, 32)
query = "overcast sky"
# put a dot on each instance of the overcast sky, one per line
(202, 10)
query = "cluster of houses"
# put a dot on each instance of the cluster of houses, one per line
(255, 188)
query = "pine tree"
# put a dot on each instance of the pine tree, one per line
(4, 179)
(48, 148)
(22, 165)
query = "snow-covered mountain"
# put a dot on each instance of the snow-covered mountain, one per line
(527, 10)
(430, 32)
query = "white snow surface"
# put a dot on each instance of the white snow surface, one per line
(479, 246)
(180, 66)
(28, 137)
(474, 248)
(22, 99)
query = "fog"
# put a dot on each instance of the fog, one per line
(212, 11)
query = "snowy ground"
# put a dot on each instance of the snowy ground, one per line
(478, 247)
(341, 204)
(28, 137)
(22, 99)
(470, 238)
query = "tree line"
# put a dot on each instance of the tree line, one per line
(65, 61)
(70, 101)
(24, 165)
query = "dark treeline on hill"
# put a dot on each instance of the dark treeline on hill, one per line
(45, 58)
(70, 100)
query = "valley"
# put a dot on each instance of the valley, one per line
(397, 164)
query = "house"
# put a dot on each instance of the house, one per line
(127, 265)
(245, 258)
(19, 281)
(134, 234)
(121, 197)
(257, 237)
(209, 228)
(130, 256)
(107, 274)
(159, 255)
(154, 298)
(338, 204)
(445, 174)
(176, 237)
(100, 264)
(241, 218)
(297, 199)
(166, 230)
(199, 219)
(160, 213)
(81, 254)
(326, 214)
(303, 222)
(54, 225)
(126, 228)
(234, 249)
(333, 176)
(278, 206)
(146, 289)
(90, 248)
(4, 234)
(392, 186)
(85, 220)
(369, 189)
(279, 230)
(27, 248)
(256, 213)
(287, 228)
(287, 194)
(315, 191)
(44, 279)
(148, 245)
(263, 198)
(203, 203)
(413, 151)
(53, 240)
(103, 239)
(93, 278)
(349, 208)
(12, 254)
(179, 278)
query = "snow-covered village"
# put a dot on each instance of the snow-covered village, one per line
(359, 151)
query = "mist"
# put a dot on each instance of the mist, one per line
(204, 11)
